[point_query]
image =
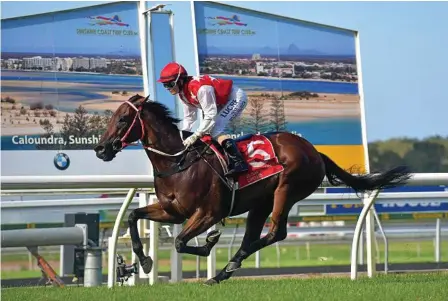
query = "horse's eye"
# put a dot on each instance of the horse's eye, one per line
(122, 119)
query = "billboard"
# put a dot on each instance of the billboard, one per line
(300, 77)
(63, 74)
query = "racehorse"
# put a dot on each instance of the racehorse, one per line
(190, 185)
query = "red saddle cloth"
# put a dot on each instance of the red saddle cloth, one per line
(258, 152)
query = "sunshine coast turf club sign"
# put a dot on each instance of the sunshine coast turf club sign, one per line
(117, 26)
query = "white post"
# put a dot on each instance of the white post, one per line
(437, 246)
(176, 258)
(143, 34)
(368, 202)
(211, 259)
(370, 235)
(142, 227)
(361, 247)
(112, 242)
(257, 259)
(173, 54)
(153, 245)
(195, 50)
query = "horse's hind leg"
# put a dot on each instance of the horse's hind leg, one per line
(277, 231)
(152, 212)
(254, 225)
(285, 197)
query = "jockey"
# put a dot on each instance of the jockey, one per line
(220, 101)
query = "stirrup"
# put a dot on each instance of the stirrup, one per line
(240, 168)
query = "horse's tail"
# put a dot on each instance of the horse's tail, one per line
(364, 183)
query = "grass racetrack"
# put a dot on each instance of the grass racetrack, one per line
(406, 287)
(16, 266)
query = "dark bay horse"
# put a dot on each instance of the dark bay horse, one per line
(189, 185)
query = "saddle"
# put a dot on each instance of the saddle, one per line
(257, 151)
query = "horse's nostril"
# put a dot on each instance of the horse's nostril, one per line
(99, 149)
(117, 144)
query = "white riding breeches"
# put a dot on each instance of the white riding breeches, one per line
(234, 107)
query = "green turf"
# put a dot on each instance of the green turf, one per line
(291, 256)
(420, 287)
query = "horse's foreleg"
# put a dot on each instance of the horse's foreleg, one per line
(196, 225)
(254, 225)
(152, 212)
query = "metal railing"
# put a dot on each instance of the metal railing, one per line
(17, 184)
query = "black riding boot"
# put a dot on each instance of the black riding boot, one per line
(237, 163)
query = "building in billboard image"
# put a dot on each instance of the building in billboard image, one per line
(300, 77)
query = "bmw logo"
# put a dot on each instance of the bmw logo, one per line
(61, 161)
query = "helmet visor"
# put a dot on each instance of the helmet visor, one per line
(170, 85)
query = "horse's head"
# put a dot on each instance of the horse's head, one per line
(138, 118)
(125, 127)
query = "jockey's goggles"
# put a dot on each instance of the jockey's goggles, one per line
(170, 85)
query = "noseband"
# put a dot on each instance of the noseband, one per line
(137, 115)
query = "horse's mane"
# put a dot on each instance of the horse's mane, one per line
(158, 109)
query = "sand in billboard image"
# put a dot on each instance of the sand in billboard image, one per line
(29, 104)
(299, 112)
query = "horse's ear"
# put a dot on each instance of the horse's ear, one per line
(141, 101)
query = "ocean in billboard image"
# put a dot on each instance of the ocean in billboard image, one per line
(299, 77)
(65, 75)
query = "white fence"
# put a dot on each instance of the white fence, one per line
(19, 184)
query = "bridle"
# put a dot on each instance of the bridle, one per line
(125, 136)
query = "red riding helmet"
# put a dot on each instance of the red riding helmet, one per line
(172, 72)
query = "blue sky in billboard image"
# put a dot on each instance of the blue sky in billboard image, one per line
(70, 32)
(256, 33)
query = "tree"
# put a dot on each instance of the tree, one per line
(80, 125)
(278, 120)
(427, 157)
(235, 126)
(258, 123)
(76, 126)
(388, 160)
(47, 126)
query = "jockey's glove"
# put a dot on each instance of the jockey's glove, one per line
(191, 140)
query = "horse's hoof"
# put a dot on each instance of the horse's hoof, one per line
(211, 282)
(213, 236)
(232, 267)
(146, 264)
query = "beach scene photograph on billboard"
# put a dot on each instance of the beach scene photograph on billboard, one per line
(64, 73)
(299, 76)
